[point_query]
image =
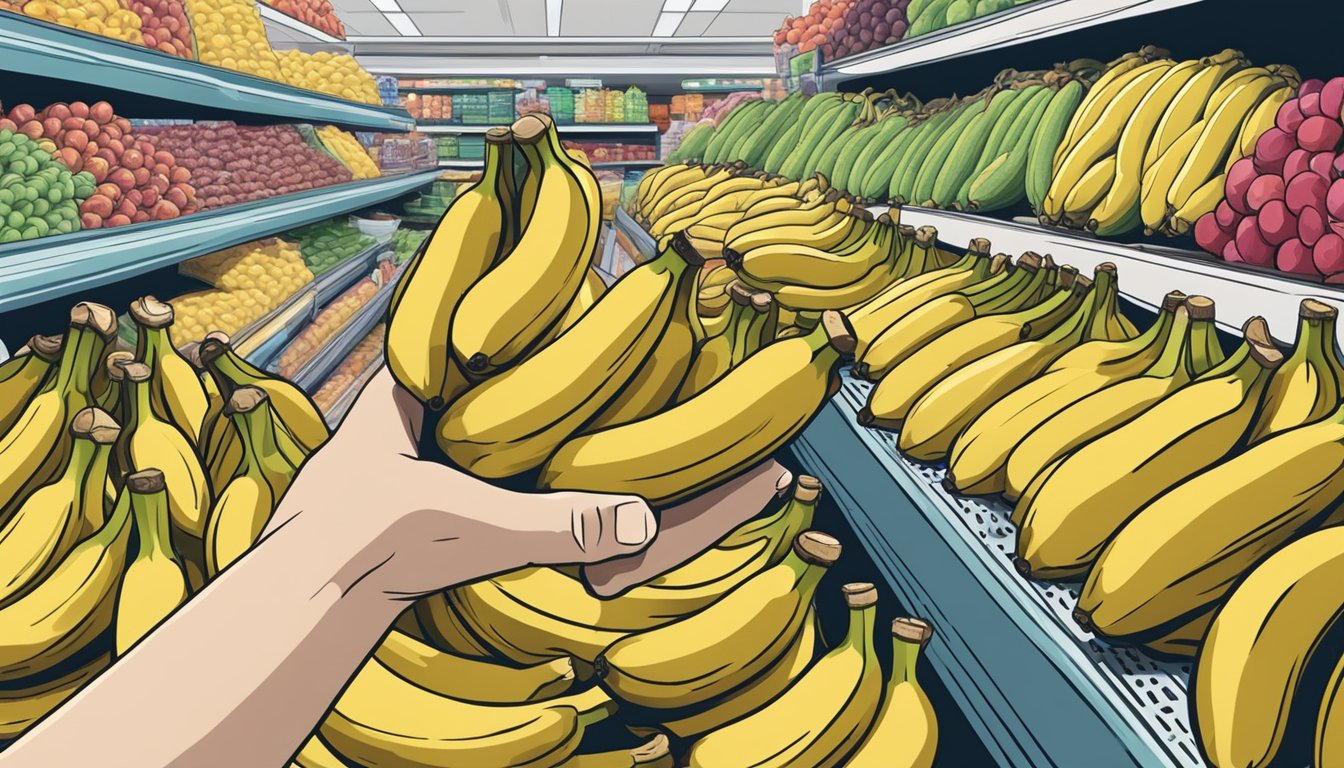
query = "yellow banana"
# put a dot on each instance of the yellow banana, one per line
(977, 463)
(23, 375)
(1160, 176)
(472, 680)
(1204, 200)
(1329, 724)
(74, 605)
(709, 653)
(1257, 122)
(1187, 108)
(512, 305)
(1083, 499)
(1107, 408)
(154, 584)
(149, 441)
(1099, 96)
(1253, 659)
(296, 409)
(316, 754)
(654, 754)
(381, 719)
(1310, 383)
(21, 707)
(462, 246)
(592, 289)
(753, 410)
(247, 502)
(175, 390)
(905, 732)
(514, 421)
(1084, 196)
(822, 717)
(445, 629)
(34, 449)
(883, 310)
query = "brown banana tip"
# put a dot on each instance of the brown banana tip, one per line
(1199, 307)
(682, 245)
(98, 317)
(499, 135)
(912, 630)
(761, 301)
(1030, 261)
(1105, 266)
(1172, 301)
(926, 236)
(245, 400)
(1083, 619)
(478, 362)
(1263, 350)
(436, 403)
(859, 594)
(866, 417)
(1023, 567)
(601, 667)
(210, 350)
(817, 548)
(979, 246)
(95, 424)
(950, 483)
(807, 489)
(839, 331)
(145, 481)
(46, 347)
(136, 371)
(1312, 309)
(657, 748)
(116, 363)
(151, 313)
(529, 129)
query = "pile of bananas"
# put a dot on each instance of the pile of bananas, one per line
(1153, 140)
(983, 152)
(127, 480)
(250, 280)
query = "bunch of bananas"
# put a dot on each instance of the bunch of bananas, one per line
(1153, 140)
(984, 152)
(127, 478)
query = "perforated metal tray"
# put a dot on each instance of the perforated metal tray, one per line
(1038, 689)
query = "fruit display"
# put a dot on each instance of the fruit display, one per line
(431, 203)
(165, 26)
(136, 180)
(230, 163)
(430, 107)
(38, 195)
(844, 27)
(927, 16)
(315, 13)
(328, 244)
(407, 242)
(607, 152)
(1152, 141)
(230, 34)
(108, 18)
(1282, 205)
(350, 151)
(249, 281)
(330, 321)
(335, 74)
(369, 349)
(107, 490)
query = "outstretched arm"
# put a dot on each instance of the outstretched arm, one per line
(243, 672)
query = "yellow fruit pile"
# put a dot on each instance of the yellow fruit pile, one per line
(350, 151)
(250, 280)
(364, 353)
(108, 18)
(335, 74)
(324, 328)
(229, 34)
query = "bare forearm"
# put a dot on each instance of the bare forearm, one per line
(238, 676)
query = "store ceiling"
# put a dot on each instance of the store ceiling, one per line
(565, 18)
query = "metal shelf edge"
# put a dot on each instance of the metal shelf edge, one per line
(315, 371)
(272, 15)
(38, 270)
(648, 247)
(562, 128)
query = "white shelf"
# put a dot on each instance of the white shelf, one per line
(466, 165)
(292, 29)
(627, 164)
(1023, 24)
(1146, 273)
(1037, 689)
(565, 130)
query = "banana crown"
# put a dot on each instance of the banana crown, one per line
(909, 636)
(1256, 354)
(248, 407)
(149, 507)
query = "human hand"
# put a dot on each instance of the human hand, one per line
(429, 526)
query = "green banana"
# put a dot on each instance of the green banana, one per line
(1045, 141)
(1001, 183)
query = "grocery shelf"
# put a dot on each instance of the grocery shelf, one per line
(449, 89)
(334, 281)
(627, 164)
(466, 165)
(262, 341)
(565, 130)
(30, 46)
(336, 415)
(316, 371)
(47, 268)
(1023, 24)
(290, 28)
(1147, 273)
(1037, 689)
(642, 240)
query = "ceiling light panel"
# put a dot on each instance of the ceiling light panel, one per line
(403, 24)
(667, 24)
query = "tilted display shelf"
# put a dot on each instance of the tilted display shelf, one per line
(31, 46)
(1022, 24)
(316, 370)
(347, 398)
(285, 27)
(46, 268)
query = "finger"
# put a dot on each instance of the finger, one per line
(582, 528)
(690, 528)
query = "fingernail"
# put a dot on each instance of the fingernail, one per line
(632, 523)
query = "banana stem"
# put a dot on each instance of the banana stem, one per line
(592, 706)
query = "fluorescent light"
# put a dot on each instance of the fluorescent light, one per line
(387, 6)
(709, 5)
(553, 17)
(676, 6)
(403, 24)
(667, 24)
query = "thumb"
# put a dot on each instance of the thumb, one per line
(581, 528)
